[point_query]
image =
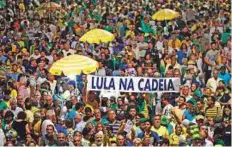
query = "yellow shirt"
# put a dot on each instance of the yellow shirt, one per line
(13, 94)
(34, 109)
(162, 131)
(22, 7)
(175, 44)
(131, 33)
(7, 103)
(37, 127)
(30, 116)
(174, 139)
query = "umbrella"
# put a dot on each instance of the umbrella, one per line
(74, 65)
(50, 7)
(165, 14)
(97, 36)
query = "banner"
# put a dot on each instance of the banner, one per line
(132, 84)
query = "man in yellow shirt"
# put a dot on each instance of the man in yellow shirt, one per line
(174, 43)
(161, 130)
(174, 138)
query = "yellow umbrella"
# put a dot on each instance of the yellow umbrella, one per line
(165, 14)
(97, 36)
(74, 65)
(50, 7)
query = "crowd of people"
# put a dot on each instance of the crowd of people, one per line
(40, 109)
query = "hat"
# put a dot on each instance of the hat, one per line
(198, 117)
(164, 120)
(143, 120)
(24, 50)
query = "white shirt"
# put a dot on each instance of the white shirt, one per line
(101, 72)
(213, 83)
(53, 86)
(168, 110)
(80, 126)
(159, 46)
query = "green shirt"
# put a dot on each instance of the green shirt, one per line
(103, 121)
(3, 105)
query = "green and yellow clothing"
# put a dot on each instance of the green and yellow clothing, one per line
(162, 131)
(174, 139)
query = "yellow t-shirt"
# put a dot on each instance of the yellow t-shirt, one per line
(175, 44)
(174, 139)
(131, 33)
(34, 109)
(37, 127)
(21, 7)
(13, 94)
(30, 116)
(162, 131)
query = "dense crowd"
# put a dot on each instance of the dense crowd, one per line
(38, 108)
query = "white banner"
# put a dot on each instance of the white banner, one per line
(133, 84)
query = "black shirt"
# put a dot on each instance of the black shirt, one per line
(20, 128)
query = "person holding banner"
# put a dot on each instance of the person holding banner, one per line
(164, 75)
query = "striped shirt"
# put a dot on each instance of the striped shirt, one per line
(213, 112)
(114, 126)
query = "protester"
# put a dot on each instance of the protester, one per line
(41, 109)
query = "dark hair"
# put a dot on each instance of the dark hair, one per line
(9, 114)
(69, 123)
(183, 98)
(69, 105)
(201, 101)
(28, 104)
(212, 97)
(140, 115)
(104, 102)
(21, 115)
(79, 105)
(88, 109)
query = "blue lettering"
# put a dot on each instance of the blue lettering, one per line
(105, 86)
(161, 84)
(112, 84)
(154, 84)
(130, 85)
(170, 85)
(147, 85)
(99, 83)
(139, 84)
(122, 84)
(93, 84)
(165, 86)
